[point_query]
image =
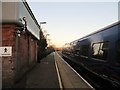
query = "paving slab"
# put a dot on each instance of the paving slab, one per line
(44, 75)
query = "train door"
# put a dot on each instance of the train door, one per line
(118, 43)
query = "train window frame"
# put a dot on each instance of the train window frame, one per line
(84, 56)
(118, 52)
(104, 51)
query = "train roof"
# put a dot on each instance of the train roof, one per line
(100, 30)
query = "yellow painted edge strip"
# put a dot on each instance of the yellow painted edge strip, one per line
(59, 78)
(75, 72)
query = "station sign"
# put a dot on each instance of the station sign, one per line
(5, 51)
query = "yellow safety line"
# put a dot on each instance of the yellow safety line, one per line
(59, 78)
(75, 72)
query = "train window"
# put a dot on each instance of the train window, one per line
(84, 50)
(118, 51)
(100, 50)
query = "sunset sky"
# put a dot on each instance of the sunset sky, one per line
(68, 21)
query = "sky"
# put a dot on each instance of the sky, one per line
(68, 21)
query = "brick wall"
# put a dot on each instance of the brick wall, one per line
(24, 54)
(32, 51)
(8, 39)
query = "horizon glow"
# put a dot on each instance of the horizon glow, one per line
(68, 21)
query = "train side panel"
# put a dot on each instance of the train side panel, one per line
(99, 53)
(100, 58)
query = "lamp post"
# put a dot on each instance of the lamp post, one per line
(47, 39)
(46, 35)
(42, 44)
(42, 23)
(41, 26)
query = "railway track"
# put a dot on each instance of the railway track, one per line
(96, 81)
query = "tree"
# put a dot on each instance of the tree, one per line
(42, 44)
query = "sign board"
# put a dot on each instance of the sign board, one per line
(6, 51)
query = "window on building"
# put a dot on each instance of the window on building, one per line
(84, 50)
(118, 51)
(100, 50)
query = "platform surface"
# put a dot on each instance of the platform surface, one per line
(53, 72)
(70, 78)
(44, 75)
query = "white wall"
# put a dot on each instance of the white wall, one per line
(14, 11)
(9, 11)
(32, 27)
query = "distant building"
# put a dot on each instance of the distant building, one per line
(20, 30)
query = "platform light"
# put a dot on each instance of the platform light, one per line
(43, 22)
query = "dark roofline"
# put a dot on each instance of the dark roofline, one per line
(102, 29)
(31, 13)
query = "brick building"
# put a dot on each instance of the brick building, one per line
(20, 30)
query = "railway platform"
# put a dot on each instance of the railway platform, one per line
(54, 72)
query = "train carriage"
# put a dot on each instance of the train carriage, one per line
(99, 53)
